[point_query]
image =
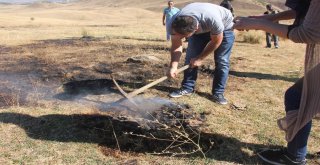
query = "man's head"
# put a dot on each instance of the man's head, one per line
(269, 7)
(184, 25)
(170, 3)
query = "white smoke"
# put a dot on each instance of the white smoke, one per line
(31, 90)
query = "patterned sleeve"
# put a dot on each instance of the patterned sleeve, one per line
(309, 30)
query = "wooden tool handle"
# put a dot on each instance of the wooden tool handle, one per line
(136, 92)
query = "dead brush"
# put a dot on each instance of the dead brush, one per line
(85, 33)
(182, 129)
(173, 130)
(11, 99)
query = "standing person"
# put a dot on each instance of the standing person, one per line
(227, 4)
(302, 100)
(209, 29)
(168, 12)
(271, 10)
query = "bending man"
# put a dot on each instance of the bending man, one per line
(209, 29)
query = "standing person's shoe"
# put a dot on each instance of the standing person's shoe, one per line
(219, 98)
(276, 46)
(279, 157)
(318, 157)
(180, 92)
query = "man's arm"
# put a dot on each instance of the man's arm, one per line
(163, 18)
(176, 52)
(212, 45)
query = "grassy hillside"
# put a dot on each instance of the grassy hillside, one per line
(73, 19)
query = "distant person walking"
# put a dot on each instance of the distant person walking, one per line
(168, 12)
(209, 29)
(269, 36)
(227, 4)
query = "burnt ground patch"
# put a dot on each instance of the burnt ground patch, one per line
(101, 86)
(107, 131)
(113, 136)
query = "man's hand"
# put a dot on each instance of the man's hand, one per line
(171, 73)
(194, 62)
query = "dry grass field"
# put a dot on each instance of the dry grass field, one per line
(56, 61)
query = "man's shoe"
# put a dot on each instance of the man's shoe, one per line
(279, 157)
(276, 47)
(180, 92)
(219, 98)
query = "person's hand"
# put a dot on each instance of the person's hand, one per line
(171, 73)
(194, 62)
(236, 21)
(244, 23)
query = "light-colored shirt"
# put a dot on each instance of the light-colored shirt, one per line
(211, 18)
(170, 12)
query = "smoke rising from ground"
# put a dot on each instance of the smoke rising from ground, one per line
(29, 90)
(24, 89)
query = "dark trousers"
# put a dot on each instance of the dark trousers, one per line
(298, 146)
(273, 37)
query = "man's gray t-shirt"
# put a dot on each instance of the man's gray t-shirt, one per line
(211, 18)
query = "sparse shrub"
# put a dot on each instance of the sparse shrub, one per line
(82, 17)
(252, 38)
(32, 19)
(85, 33)
(9, 99)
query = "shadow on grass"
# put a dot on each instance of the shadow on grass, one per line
(263, 76)
(100, 129)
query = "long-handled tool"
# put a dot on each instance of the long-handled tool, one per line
(140, 90)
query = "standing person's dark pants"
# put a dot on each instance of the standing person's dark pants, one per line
(275, 39)
(196, 45)
(298, 146)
